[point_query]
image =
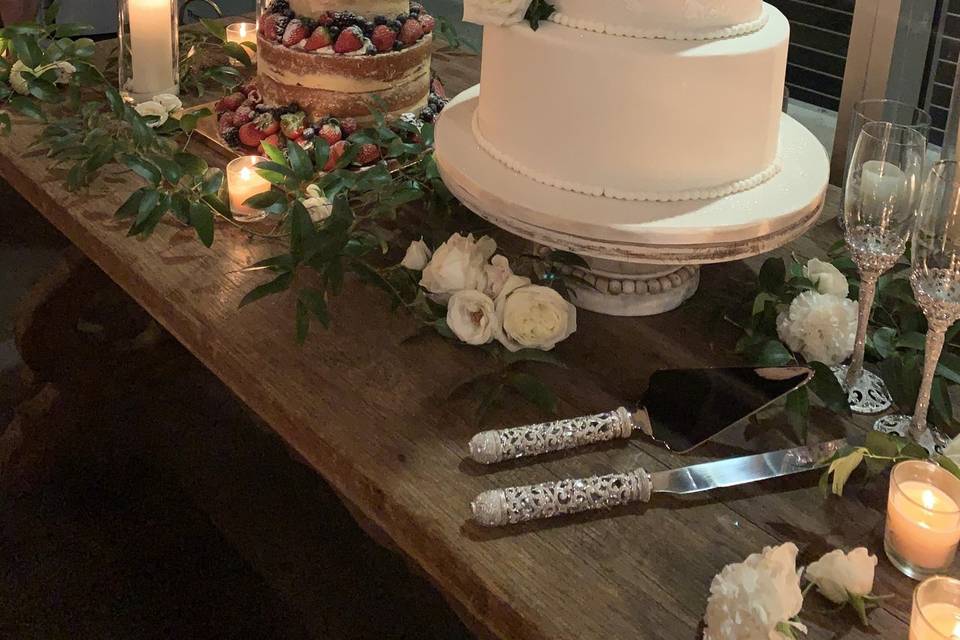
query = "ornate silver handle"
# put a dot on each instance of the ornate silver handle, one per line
(533, 439)
(533, 502)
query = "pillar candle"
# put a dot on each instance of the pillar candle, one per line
(151, 47)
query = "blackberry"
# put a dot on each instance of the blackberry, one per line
(280, 6)
(397, 45)
(440, 105)
(281, 21)
(294, 107)
(414, 13)
(371, 50)
(427, 114)
(334, 32)
(401, 18)
(309, 23)
(395, 25)
(380, 20)
(433, 100)
(367, 28)
(263, 108)
(232, 136)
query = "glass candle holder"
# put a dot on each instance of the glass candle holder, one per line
(149, 48)
(923, 518)
(936, 610)
(244, 33)
(243, 182)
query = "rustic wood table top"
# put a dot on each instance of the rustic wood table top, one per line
(370, 412)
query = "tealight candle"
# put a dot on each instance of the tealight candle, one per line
(152, 47)
(923, 518)
(936, 610)
(243, 182)
(243, 32)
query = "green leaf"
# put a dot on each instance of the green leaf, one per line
(237, 52)
(772, 275)
(169, 169)
(798, 412)
(28, 50)
(278, 284)
(201, 219)
(882, 445)
(275, 154)
(149, 202)
(883, 341)
(132, 204)
(282, 262)
(212, 183)
(302, 231)
(321, 153)
(537, 11)
(215, 28)
(315, 301)
(948, 464)
(114, 100)
(299, 161)
(142, 168)
(266, 200)
(949, 367)
(25, 106)
(534, 390)
(829, 389)
(767, 352)
(191, 164)
(43, 89)
(912, 340)
(188, 122)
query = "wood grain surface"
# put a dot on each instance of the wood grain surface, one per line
(371, 413)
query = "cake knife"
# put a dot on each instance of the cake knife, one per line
(533, 502)
(683, 408)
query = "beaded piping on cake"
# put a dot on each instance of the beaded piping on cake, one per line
(664, 34)
(619, 194)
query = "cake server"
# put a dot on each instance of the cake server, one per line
(533, 502)
(682, 408)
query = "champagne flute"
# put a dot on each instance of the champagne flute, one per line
(935, 278)
(883, 186)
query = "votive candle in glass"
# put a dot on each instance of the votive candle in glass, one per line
(936, 610)
(243, 182)
(241, 33)
(923, 518)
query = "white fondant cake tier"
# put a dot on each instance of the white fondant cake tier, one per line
(628, 117)
(672, 19)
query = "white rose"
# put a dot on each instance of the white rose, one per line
(748, 600)
(495, 12)
(65, 71)
(532, 317)
(821, 327)
(457, 264)
(496, 275)
(826, 278)
(316, 204)
(17, 80)
(471, 316)
(839, 576)
(952, 450)
(153, 108)
(417, 256)
(169, 101)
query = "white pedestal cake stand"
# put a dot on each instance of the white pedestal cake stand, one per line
(643, 256)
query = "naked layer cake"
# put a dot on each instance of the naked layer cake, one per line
(342, 57)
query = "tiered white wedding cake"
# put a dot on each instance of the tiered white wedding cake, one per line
(660, 100)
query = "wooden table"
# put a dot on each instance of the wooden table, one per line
(370, 413)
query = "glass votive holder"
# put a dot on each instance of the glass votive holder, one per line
(936, 610)
(923, 518)
(243, 182)
(243, 34)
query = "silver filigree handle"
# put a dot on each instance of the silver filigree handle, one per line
(533, 502)
(489, 447)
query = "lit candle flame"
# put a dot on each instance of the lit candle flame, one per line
(245, 174)
(243, 30)
(956, 630)
(929, 500)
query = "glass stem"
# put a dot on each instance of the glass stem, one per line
(868, 290)
(931, 356)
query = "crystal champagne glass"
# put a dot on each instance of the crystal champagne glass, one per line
(883, 186)
(935, 278)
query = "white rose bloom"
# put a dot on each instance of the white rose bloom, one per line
(839, 575)
(826, 278)
(532, 317)
(153, 108)
(821, 327)
(169, 101)
(457, 264)
(316, 204)
(471, 316)
(495, 12)
(496, 275)
(749, 599)
(417, 256)
(17, 81)
(65, 71)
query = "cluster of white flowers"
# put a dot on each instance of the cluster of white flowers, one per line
(758, 599)
(485, 300)
(18, 81)
(160, 107)
(495, 12)
(821, 324)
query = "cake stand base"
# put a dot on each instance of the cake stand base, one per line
(931, 439)
(641, 254)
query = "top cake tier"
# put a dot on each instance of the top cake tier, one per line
(366, 8)
(671, 19)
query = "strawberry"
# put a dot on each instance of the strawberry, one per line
(295, 33)
(350, 39)
(319, 39)
(267, 124)
(271, 140)
(411, 32)
(226, 121)
(368, 153)
(268, 27)
(243, 115)
(331, 133)
(348, 127)
(325, 20)
(292, 125)
(383, 38)
(336, 152)
(428, 22)
(250, 135)
(230, 102)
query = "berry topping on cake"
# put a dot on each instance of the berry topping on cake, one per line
(411, 32)
(291, 124)
(383, 38)
(231, 136)
(427, 114)
(319, 39)
(226, 122)
(331, 132)
(243, 115)
(336, 152)
(268, 26)
(267, 124)
(273, 140)
(428, 22)
(368, 153)
(280, 6)
(280, 23)
(437, 87)
(349, 40)
(295, 33)
(230, 102)
(251, 135)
